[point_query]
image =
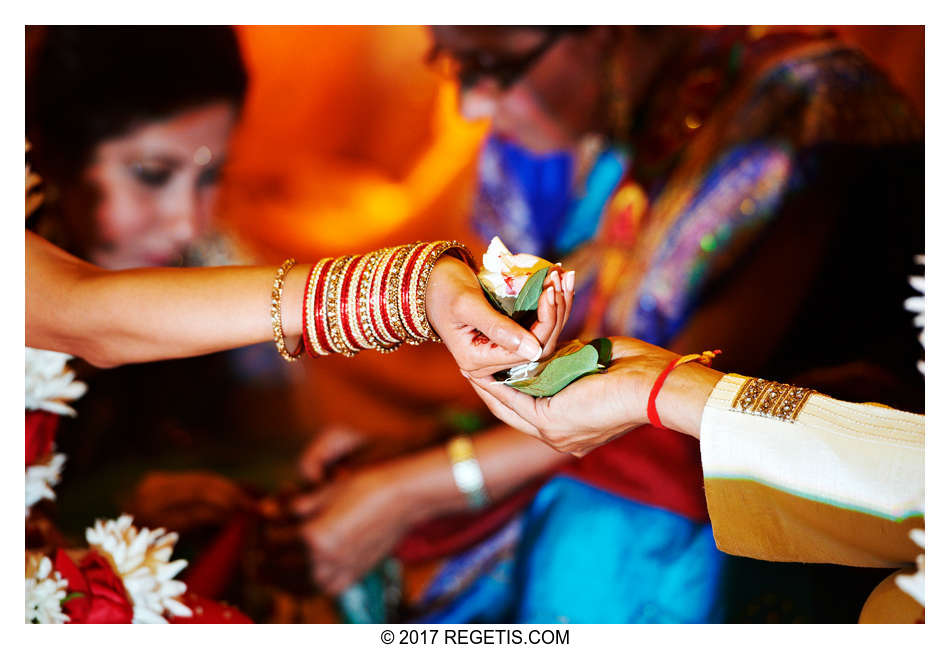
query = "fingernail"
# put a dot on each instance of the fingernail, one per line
(569, 281)
(550, 293)
(529, 348)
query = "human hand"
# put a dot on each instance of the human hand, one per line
(353, 522)
(185, 500)
(331, 444)
(482, 340)
(600, 407)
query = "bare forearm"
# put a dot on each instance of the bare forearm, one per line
(508, 459)
(115, 317)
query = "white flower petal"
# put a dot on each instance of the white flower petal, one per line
(142, 559)
(45, 590)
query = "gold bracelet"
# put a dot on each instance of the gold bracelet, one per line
(334, 328)
(427, 262)
(367, 323)
(276, 323)
(354, 303)
(391, 305)
(466, 471)
(377, 300)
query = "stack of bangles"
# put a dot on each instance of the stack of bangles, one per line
(371, 301)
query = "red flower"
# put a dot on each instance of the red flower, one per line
(40, 434)
(96, 594)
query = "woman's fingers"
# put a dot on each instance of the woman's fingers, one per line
(475, 311)
(546, 325)
(514, 408)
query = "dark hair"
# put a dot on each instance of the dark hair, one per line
(87, 84)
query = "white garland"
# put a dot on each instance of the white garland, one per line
(913, 584)
(50, 384)
(45, 591)
(141, 559)
(41, 478)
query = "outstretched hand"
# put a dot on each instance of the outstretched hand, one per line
(601, 407)
(482, 340)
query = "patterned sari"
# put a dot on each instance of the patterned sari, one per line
(741, 142)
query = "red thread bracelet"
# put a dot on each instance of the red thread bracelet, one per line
(705, 358)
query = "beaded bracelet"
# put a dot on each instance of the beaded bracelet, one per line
(277, 293)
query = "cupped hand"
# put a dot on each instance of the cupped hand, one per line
(352, 523)
(482, 340)
(332, 444)
(591, 411)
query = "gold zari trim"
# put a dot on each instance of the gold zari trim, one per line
(771, 399)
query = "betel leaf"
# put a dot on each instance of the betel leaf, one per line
(605, 350)
(527, 299)
(560, 372)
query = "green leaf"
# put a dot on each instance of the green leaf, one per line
(531, 292)
(71, 596)
(560, 372)
(605, 350)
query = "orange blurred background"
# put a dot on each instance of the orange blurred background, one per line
(350, 142)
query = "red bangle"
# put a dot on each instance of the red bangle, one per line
(344, 304)
(318, 309)
(705, 358)
(308, 287)
(416, 336)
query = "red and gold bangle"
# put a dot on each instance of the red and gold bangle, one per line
(430, 256)
(408, 271)
(315, 339)
(345, 309)
(390, 310)
(332, 307)
(368, 325)
(706, 358)
(377, 298)
(277, 293)
(320, 320)
(352, 297)
(418, 278)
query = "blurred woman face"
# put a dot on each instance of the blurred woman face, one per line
(156, 185)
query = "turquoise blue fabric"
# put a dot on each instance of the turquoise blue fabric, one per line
(583, 217)
(588, 556)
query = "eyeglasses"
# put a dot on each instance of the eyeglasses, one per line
(470, 67)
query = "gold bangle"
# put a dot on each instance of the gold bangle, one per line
(276, 323)
(334, 328)
(466, 471)
(392, 282)
(367, 307)
(418, 282)
(377, 299)
(428, 262)
(354, 302)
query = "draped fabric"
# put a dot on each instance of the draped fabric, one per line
(835, 483)
(741, 141)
